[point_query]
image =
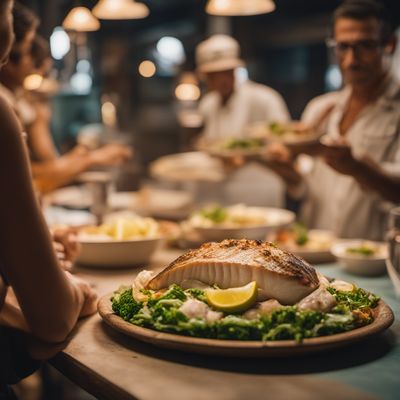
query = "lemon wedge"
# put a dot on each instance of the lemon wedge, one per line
(233, 299)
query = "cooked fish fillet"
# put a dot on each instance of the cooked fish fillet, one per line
(231, 263)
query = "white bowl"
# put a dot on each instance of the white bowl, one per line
(356, 264)
(275, 218)
(112, 253)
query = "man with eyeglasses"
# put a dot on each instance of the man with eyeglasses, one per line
(358, 158)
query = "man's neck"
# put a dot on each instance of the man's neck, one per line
(368, 92)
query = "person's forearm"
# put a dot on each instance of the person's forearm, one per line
(372, 177)
(55, 173)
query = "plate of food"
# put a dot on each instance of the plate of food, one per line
(237, 221)
(314, 245)
(120, 242)
(361, 257)
(244, 298)
(187, 167)
(292, 133)
(232, 147)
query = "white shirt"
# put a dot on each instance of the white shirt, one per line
(251, 102)
(336, 201)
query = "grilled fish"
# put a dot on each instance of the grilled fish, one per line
(232, 263)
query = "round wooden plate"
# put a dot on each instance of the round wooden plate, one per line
(382, 313)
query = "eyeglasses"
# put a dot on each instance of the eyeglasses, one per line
(360, 48)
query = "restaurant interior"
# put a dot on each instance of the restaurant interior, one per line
(218, 182)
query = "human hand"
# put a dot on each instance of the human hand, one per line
(110, 154)
(338, 155)
(66, 246)
(279, 159)
(89, 295)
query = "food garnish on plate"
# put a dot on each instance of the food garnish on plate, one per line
(365, 249)
(237, 215)
(297, 236)
(124, 228)
(243, 290)
(292, 132)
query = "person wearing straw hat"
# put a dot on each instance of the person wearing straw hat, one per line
(228, 109)
(230, 106)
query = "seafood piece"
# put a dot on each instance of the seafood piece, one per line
(193, 308)
(264, 308)
(318, 300)
(232, 263)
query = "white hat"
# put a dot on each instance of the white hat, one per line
(218, 53)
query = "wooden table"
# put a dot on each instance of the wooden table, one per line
(111, 366)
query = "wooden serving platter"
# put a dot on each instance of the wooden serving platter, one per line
(383, 318)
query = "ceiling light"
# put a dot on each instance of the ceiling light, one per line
(80, 19)
(120, 9)
(147, 69)
(239, 7)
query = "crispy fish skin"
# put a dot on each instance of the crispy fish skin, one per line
(231, 263)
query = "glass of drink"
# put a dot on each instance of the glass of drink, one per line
(393, 239)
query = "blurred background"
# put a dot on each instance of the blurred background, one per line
(127, 73)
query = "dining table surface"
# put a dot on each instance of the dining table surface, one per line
(111, 365)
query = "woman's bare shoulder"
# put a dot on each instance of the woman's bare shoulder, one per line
(10, 126)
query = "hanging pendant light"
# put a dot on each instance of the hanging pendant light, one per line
(80, 19)
(120, 9)
(239, 7)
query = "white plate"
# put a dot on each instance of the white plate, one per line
(261, 130)
(217, 148)
(275, 218)
(111, 253)
(358, 264)
(190, 166)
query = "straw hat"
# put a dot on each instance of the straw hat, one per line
(218, 53)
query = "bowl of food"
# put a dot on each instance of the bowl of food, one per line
(238, 221)
(314, 245)
(361, 257)
(123, 242)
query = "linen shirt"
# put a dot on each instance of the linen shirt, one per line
(251, 102)
(335, 201)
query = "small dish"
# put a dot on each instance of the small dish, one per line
(361, 257)
(122, 241)
(116, 254)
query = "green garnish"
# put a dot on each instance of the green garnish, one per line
(216, 214)
(362, 250)
(244, 144)
(300, 233)
(277, 129)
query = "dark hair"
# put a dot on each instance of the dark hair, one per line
(24, 21)
(364, 9)
(40, 50)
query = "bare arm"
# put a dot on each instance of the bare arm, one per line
(51, 303)
(40, 139)
(54, 173)
(365, 171)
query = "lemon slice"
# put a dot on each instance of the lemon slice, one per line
(233, 299)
